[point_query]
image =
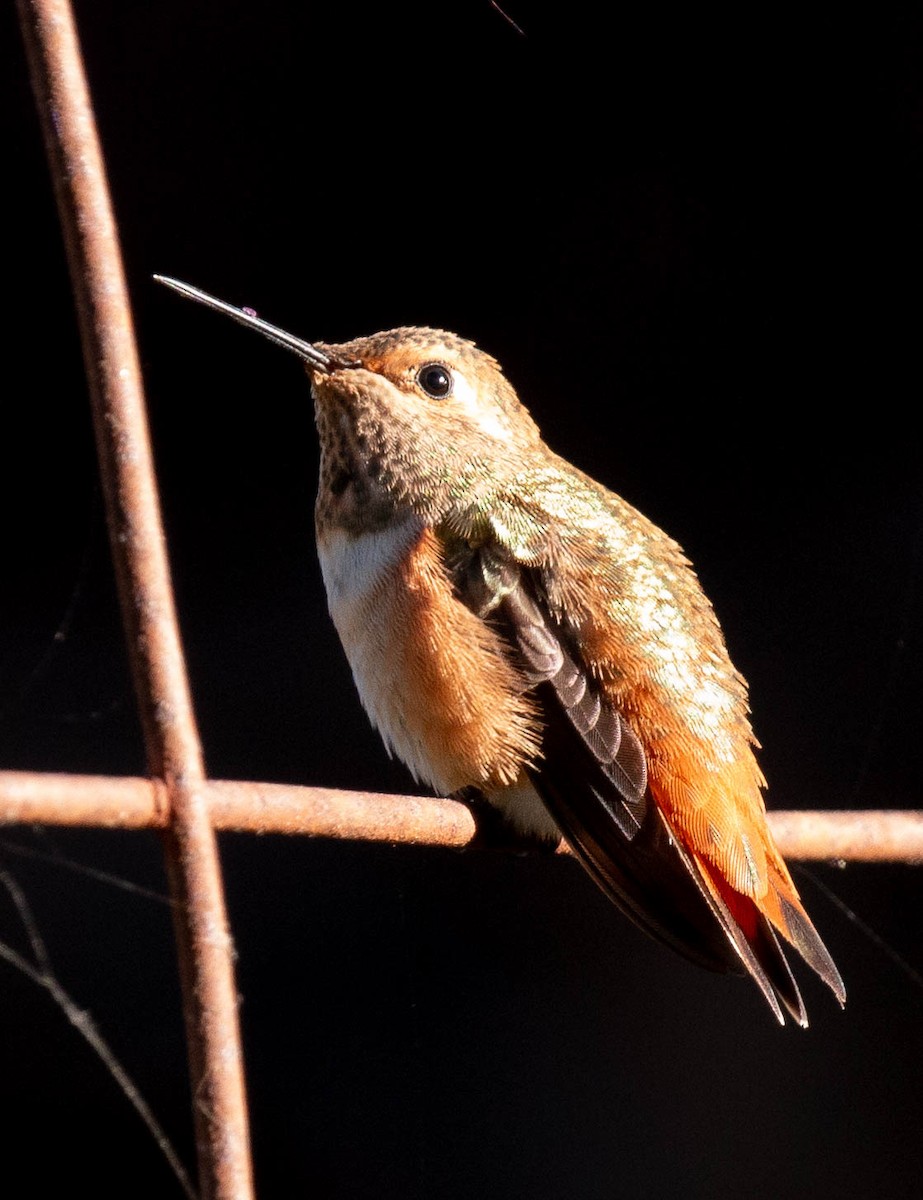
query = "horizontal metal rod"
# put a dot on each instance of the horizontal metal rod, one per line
(124, 802)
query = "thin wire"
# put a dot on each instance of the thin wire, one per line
(915, 976)
(59, 859)
(42, 975)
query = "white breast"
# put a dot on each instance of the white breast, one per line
(359, 575)
(355, 567)
(429, 673)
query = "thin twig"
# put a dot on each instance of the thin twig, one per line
(56, 858)
(42, 975)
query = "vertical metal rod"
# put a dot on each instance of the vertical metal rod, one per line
(138, 548)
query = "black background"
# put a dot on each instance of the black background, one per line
(693, 245)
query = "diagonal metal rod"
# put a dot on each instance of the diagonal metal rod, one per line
(138, 548)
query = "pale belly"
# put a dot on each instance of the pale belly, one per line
(432, 677)
(359, 575)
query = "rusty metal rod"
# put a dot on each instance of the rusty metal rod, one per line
(868, 836)
(138, 548)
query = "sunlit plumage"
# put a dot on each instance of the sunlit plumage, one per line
(518, 631)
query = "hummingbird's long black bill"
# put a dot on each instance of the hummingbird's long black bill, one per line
(311, 354)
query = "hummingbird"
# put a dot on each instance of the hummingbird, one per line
(521, 636)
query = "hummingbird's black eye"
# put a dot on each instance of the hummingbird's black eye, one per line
(436, 380)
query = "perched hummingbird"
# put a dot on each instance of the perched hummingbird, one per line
(519, 633)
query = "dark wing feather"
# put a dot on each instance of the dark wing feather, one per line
(592, 776)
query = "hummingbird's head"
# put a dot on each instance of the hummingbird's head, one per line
(431, 383)
(425, 415)
(415, 416)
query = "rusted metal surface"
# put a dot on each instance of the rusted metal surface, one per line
(178, 799)
(138, 549)
(28, 798)
(328, 812)
(871, 835)
(130, 803)
(133, 803)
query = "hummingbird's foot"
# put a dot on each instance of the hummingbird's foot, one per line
(494, 831)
